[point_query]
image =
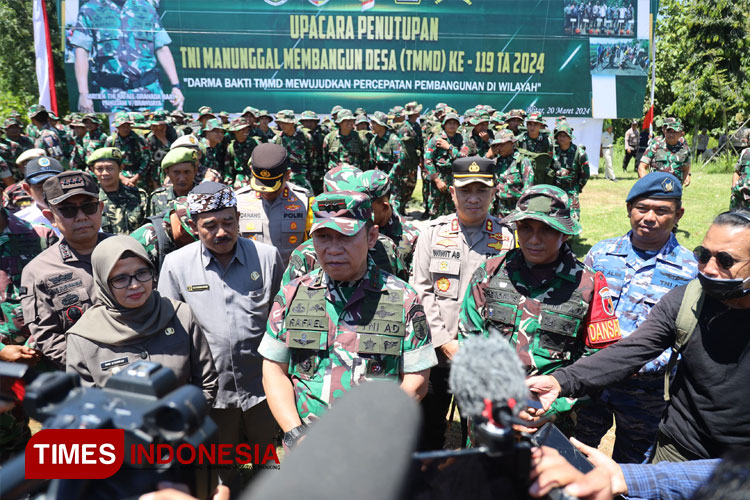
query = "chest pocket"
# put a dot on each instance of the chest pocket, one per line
(559, 326)
(380, 341)
(70, 304)
(107, 44)
(307, 332)
(446, 276)
(292, 232)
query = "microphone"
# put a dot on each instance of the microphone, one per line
(360, 449)
(486, 372)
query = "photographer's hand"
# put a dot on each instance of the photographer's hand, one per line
(602, 461)
(550, 470)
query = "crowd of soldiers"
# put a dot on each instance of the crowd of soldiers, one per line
(293, 251)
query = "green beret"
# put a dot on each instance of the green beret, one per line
(180, 155)
(113, 154)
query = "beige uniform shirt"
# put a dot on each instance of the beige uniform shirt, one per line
(444, 261)
(282, 223)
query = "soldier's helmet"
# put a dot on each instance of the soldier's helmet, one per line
(547, 204)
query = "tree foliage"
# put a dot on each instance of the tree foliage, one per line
(703, 61)
(18, 78)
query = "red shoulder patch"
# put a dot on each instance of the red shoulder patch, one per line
(602, 327)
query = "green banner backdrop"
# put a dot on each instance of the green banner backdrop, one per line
(314, 54)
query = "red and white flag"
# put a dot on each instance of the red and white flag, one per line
(45, 74)
(367, 4)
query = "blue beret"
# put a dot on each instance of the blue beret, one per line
(656, 185)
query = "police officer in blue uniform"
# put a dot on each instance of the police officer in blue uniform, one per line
(640, 268)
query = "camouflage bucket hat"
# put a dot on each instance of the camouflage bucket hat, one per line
(36, 109)
(91, 117)
(213, 124)
(101, 154)
(237, 124)
(223, 114)
(122, 118)
(346, 212)
(361, 119)
(548, 204)
(360, 111)
(309, 115)
(564, 127)
(263, 113)
(450, 116)
(249, 109)
(180, 207)
(380, 118)
(413, 108)
(479, 118)
(517, 113)
(205, 111)
(374, 183)
(341, 178)
(179, 155)
(76, 120)
(285, 116)
(158, 117)
(441, 106)
(344, 114)
(139, 120)
(502, 136)
(9, 122)
(336, 109)
(535, 118)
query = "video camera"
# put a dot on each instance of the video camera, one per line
(143, 399)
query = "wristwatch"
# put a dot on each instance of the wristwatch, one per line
(292, 436)
(177, 85)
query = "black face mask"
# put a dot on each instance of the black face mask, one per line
(724, 289)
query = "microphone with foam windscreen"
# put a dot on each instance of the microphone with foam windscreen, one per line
(360, 449)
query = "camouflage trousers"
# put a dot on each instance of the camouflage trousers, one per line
(740, 199)
(440, 203)
(637, 405)
(575, 205)
(120, 104)
(14, 433)
(403, 183)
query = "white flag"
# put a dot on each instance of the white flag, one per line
(43, 49)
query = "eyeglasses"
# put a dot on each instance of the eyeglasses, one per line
(70, 211)
(724, 259)
(124, 280)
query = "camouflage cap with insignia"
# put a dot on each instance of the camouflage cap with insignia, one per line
(36, 109)
(374, 183)
(661, 185)
(210, 197)
(564, 127)
(41, 168)
(344, 114)
(473, 169)
(535, 118)
(547, 204)
(237, 124)
(285, 116)
(66, 184)
(179, 206)
(122, 118)
(675, 125)
(205, 111)
(341, 178)
(346, 212)
(109, 154)
(180, 155)
(450, 116)
(309, 115)
(380, 118)
(213, 124)
(502, 136)
(269, 164)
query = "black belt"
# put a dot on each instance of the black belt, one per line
(111, 81)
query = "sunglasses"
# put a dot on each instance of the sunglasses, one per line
(724, 259)
(124, 280)
(70, 211)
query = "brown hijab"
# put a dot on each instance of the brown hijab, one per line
(107, 321)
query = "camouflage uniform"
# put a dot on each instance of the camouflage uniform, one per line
(661, 157)
(135, 155)
(385, 152)
(437, 164)
(122, 40)
(513, 176)
(93, 140)
(124, 209)
(156, 236)
(317, 167)
(158, 151)
(54, 143)
(570, 172)
(551, 315)
(237, 164)
(538, 150)
(404, 234)
(343, 344)
(214, 159)
(474, 145)
(298, 149)
(160, 200)
(344, 149)
(404, 176)
(19, 244)
(740, 198)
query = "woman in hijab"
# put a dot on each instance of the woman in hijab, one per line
(130, 321)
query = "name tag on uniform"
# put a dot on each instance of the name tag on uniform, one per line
(197, 288)
(106, 365)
